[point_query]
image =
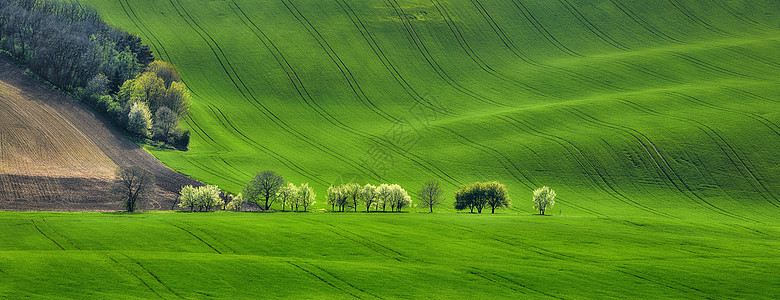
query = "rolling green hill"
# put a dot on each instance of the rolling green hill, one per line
(631, 108)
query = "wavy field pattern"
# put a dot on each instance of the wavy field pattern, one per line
(659, 108)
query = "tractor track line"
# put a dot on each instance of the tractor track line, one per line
(386, 61)
(634, 134)
(520, 284)
(321, 279)
(334, 57)
(149, 34)
(507, 41)
(212, 237)
(740, 159)
(134, 275)
(722, 211)
(543, 31)
(525, 180)
(412, 157)
(344, 281)
(603, 184)
(474, 57)
(265, 111)
(39, 230)
(592, 28)
(57, 233)
(691, 16)
(475, 273)
(418, 43)
(644, 24)
(152, 274)
(195, 236)
(336, 230)
(710, 67)
(740, 16)
(282, 159)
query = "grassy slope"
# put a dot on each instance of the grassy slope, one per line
(322, 255)
(622, 106)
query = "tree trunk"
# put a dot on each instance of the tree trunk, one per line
(493, 209)
(431, 208)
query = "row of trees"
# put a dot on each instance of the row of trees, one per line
(67, 44)
(352, 196)
(135, 184)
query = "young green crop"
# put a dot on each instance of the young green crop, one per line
(625, 107)
(337, 255)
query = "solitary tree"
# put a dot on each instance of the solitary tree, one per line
(430, 194)
(263, 187)
(133, 185)
(305, 196)
(544, 198)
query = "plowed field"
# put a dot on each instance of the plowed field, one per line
(57, 154)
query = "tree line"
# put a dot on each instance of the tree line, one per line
(268, 187)
(67, 44)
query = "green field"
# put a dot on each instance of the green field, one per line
(326, 255)
(655, 121)
(623, 107)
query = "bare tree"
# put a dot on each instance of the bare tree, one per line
(133, 184)
(264, 186)
(430, 194)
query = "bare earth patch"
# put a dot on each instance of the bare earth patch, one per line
(56, 153)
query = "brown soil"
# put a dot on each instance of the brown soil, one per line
(58, 154)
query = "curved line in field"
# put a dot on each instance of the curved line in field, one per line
(708, 66)
(517, 52)
(134, 275)
(674, 174)
(322, 279)
(334, 57)
(405, 153)
(151, 274)
(267, 112)
(212, 237)
(369, 38)
(474, 56)
(592, 28)
(525, 180)
(543, 31)
(641, 22)
(195, 236)
(281, 158)
(725, 6)
(740, 159)
(48, 237)
(420, 45)
(704, 129)
(57, 233)
(582, 160)
(691, 16)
